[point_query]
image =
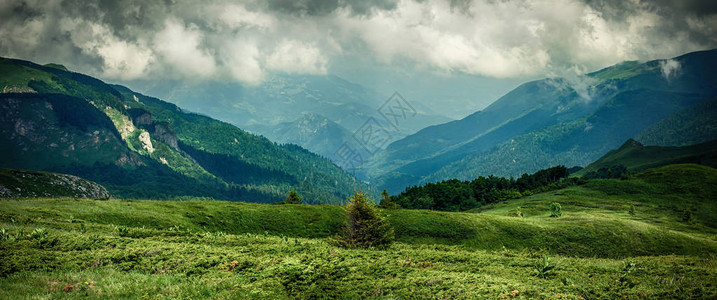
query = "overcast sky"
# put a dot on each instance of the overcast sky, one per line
(246, 41)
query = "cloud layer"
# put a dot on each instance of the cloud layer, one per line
(244, 41)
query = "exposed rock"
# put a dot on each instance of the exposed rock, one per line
(15, 89)
(146, 141)
(164, 133)
(142, 119)
(129, 160)
(23, 183)
(122, 123)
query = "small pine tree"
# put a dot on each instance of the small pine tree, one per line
(386, 202)
(293, 198)
(555, 210)
(364, 227)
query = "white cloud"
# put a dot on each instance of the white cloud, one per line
(296, 57)
(179, 47)
(241, 59)
(670, 68)
(120, 59)
(236, 16)
(125, 61)
(245, 40)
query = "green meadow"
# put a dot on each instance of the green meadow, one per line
(652, 235)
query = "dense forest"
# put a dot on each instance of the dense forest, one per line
(457, 195)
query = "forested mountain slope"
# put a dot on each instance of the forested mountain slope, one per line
(557, 122)
(138, 146)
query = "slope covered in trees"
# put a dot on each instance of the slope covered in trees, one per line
(558, 121)
(457, 195)
(143, 147)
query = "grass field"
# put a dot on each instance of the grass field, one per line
(72, 248)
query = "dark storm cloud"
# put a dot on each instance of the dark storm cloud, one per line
(245, 40)
(677, 17)
(325, 7)
(127, 18)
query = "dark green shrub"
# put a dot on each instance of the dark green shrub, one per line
(293, 198)
(631, 210)
(555, 210)
(386, 202)
(364, 227)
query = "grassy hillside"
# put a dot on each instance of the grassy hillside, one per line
(193, 249)
(636, 157)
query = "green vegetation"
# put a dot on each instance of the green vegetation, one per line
(386, 201)
(692, 125)
(556, 210)
(560, 121)
(456, 195)
(292, 198)
(210, 249)
(142, 147)
(576, 142)
(634, 157)
(364, 227)
(624, 70)
(27, 184)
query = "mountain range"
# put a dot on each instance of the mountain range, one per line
(137, 146)
(561, 121)
(307, 110)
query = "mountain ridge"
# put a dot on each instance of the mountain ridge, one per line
(147, 143)
(480, 144)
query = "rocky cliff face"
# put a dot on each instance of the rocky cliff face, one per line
(159, 130)
(164, 133)
(22, 183)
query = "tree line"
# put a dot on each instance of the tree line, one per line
(457, 195)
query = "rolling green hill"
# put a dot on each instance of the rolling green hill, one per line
(599, 248)
(142, 147)
(636, 157)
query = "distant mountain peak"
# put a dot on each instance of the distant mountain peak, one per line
(56, 66)
(631, 143)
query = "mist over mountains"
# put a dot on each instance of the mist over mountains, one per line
(559, 121)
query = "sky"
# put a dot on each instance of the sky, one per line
(453, 54)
